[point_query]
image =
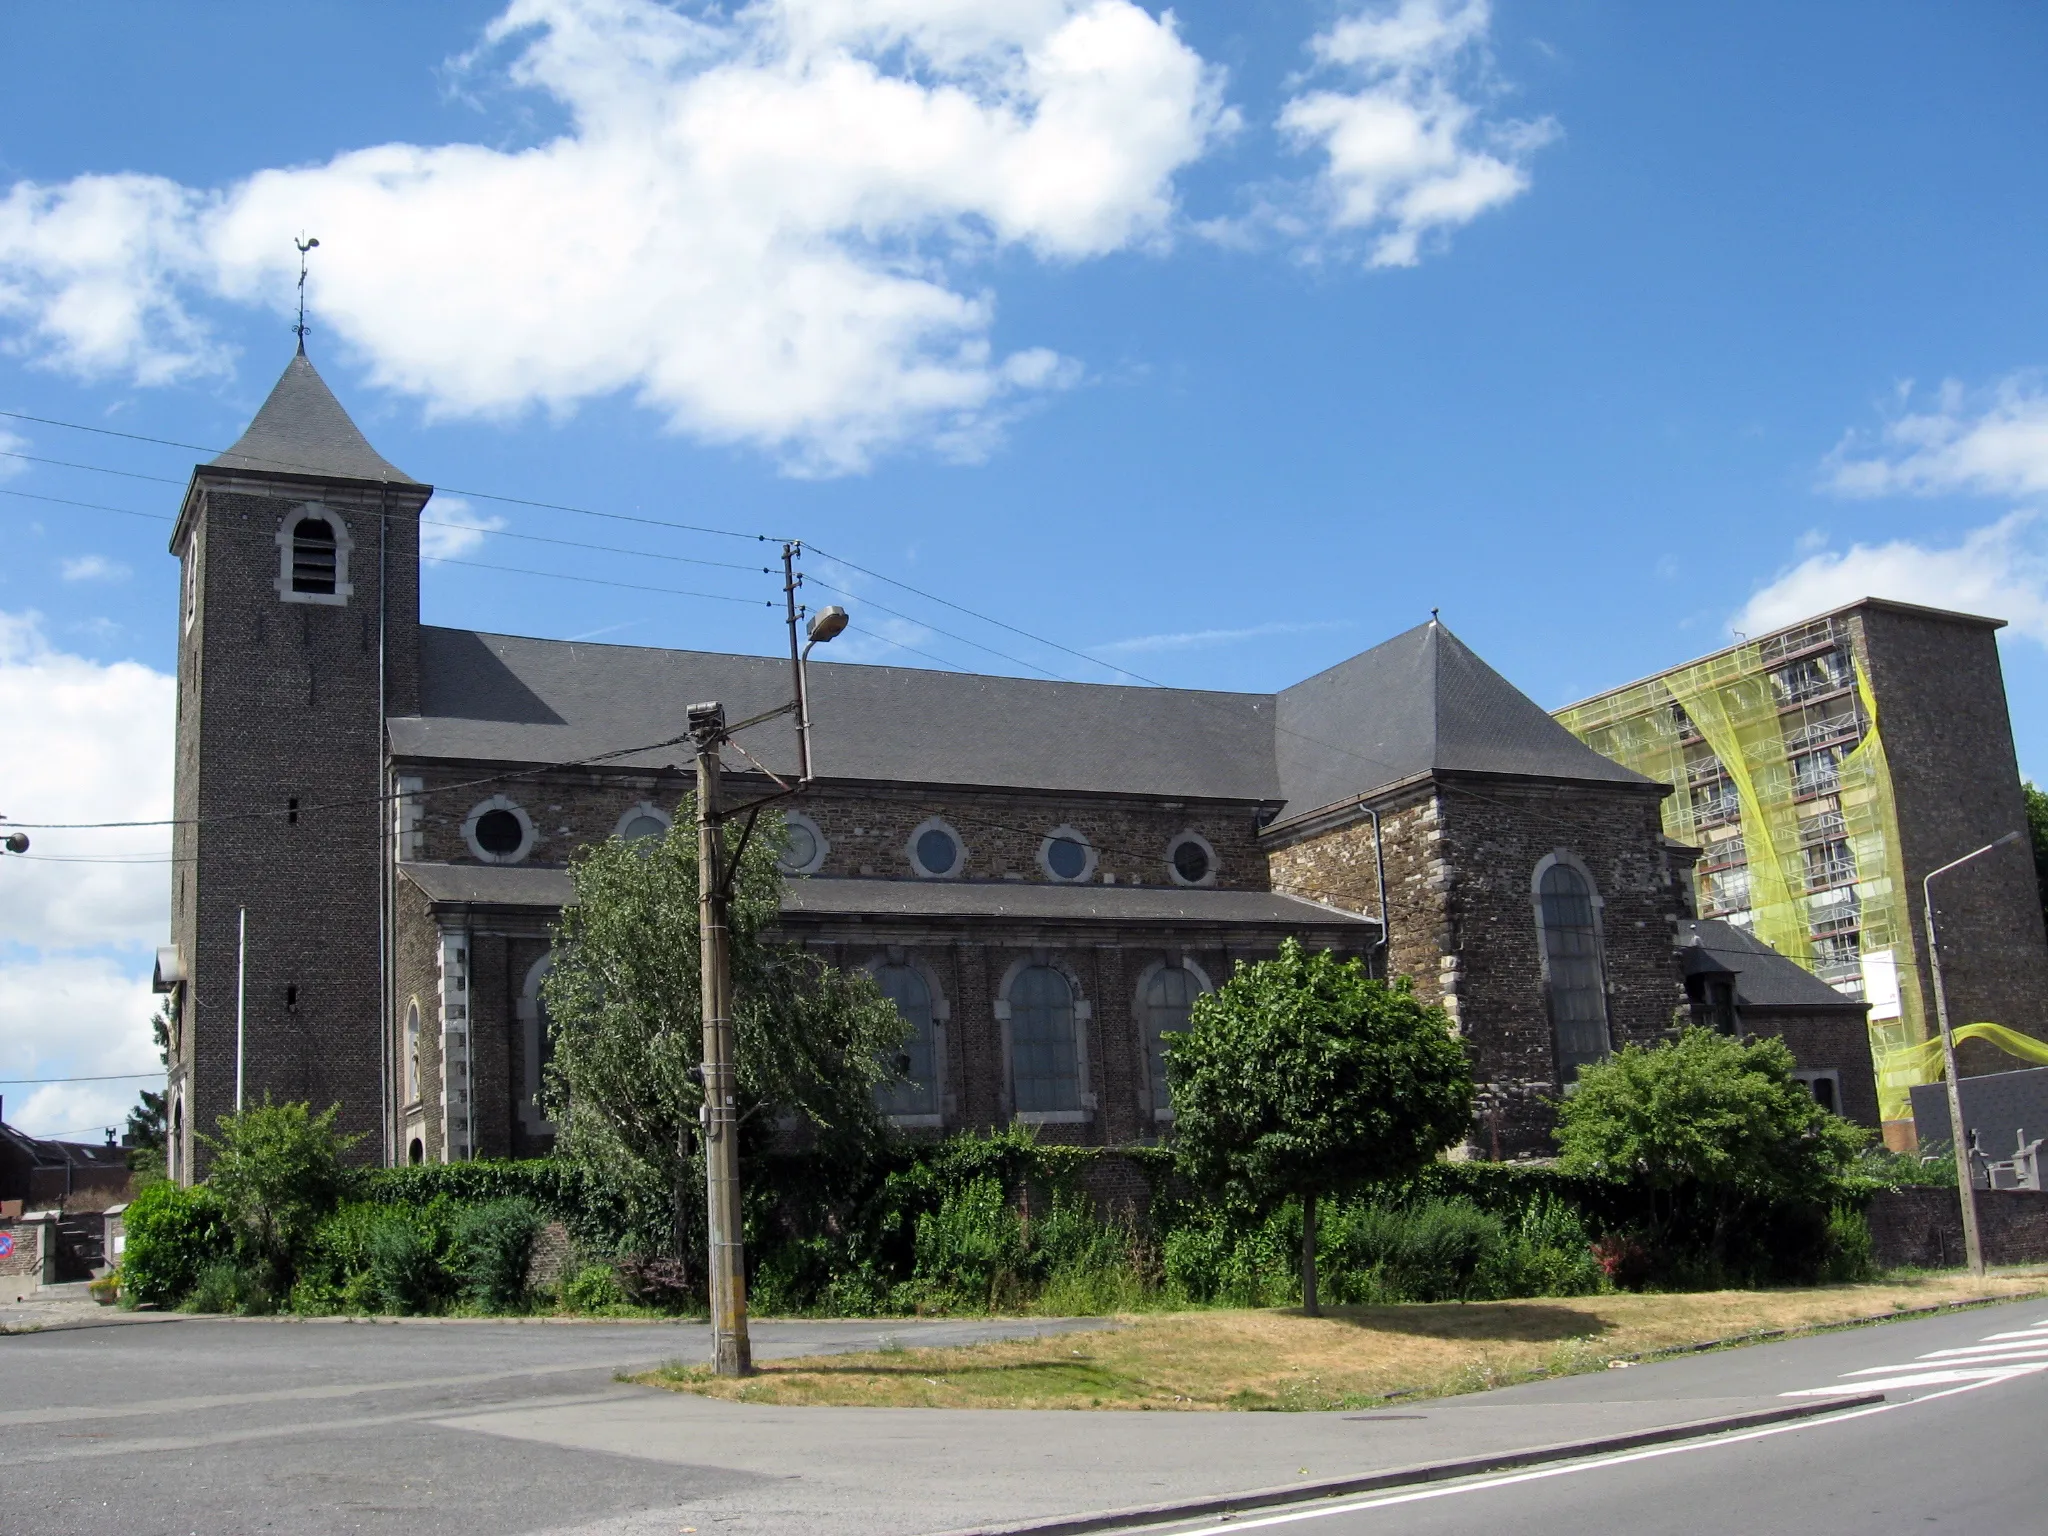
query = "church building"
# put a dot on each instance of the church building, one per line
(375, 819)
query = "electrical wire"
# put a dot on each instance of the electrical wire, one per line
(286, 466)
(105, 1077)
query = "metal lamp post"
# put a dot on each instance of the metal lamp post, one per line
(1973, 1243)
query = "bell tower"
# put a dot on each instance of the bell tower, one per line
(299, 637)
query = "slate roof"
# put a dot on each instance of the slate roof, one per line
(1029, 901)
(1763, 977)
(302, 430)
(1421, 701)
(538, 886)
(504, 698)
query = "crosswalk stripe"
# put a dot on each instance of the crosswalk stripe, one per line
(1916, 1379)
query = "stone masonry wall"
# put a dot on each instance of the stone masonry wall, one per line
(1922, 1227)
(869, 833)
(1461, 860)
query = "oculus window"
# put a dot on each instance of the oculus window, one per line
(643, 821)
(1569, 919)
(936, 851)
(1190, 860)
(1044, 1062)
(803, 845)
(1066, 855)
(915, 1090)
(499, 831)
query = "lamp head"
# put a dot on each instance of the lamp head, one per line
(828, 624)
(17, 842)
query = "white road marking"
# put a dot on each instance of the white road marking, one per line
(1995, 1357)
(1567, 1469)
(1915, 1379)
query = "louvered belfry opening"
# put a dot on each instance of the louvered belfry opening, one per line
(314, 558)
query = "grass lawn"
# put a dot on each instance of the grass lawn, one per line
(1354, 1357)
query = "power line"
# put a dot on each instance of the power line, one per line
(286, 466)
(107, 1077)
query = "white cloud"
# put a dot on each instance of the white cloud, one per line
(74, 1016)
(1408, 156)
(763, 223)
(93, 568)
(1191, 639)
(2000, 570)
(11, 443)
(86, 741)
(450, 526)
(1991, 443)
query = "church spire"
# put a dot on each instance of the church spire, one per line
(303, 431)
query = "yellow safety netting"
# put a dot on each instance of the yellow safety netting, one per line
(1922, 1063)
(1729, 699)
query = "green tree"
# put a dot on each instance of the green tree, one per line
(2037, 836)
(811, 1042)
(149, 1120)
(1302, 1076)
(278, 1170)
(1708, 1116)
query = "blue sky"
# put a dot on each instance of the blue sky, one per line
(1218, 346)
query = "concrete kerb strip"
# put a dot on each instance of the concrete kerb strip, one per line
(1408, 1477)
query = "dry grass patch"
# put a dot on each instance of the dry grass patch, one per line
(1354, 1357)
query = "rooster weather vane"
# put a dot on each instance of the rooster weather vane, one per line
(304, 246)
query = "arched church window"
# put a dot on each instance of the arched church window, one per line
(1568, 915)
(412, 1052)
(1045, 1064)
(312, 553)
(315, 561)
(916, 1069)
(1169, 997)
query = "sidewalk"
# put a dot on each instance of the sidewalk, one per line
(910, 1471)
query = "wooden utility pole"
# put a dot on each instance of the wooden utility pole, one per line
(731, 1353)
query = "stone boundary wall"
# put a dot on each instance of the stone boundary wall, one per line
(1922, 1227)
(28, 1264)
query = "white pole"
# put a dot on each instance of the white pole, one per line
(241, 996)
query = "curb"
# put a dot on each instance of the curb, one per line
(1406, 1477)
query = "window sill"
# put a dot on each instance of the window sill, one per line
(918, 1122)
(1053, 1116)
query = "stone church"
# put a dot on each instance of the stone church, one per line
(375, 818)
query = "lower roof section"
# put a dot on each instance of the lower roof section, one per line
(817, 900)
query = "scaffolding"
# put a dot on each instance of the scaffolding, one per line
(1778, 766)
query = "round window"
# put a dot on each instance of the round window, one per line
(1191, 861)
(639, 827)
(799, 847)
(499, 832)
(937, 851)
(1067, 857)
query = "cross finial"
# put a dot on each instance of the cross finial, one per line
(304, 246)
(1432, 615)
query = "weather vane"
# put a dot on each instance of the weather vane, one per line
(304, 246)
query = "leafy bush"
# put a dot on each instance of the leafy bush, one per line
(403, 1263)
(278, 1170)
(593, 1288)
(970, 1251)
(489, 1247)
(228, 1285)
(172, 1235)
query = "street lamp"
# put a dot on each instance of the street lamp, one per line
(1973, 1242)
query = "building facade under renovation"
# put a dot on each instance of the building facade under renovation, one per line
(377, 818)
(1823, 771)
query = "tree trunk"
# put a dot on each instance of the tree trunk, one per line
(1309, 1302)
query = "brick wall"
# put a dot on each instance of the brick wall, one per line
(1955, 779)
(279, 701)
(1827, 1042)
(1923, 1227)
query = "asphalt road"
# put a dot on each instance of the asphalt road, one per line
(1956, 1446)
(194, 1426)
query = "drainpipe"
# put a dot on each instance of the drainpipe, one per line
(1379, 869)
